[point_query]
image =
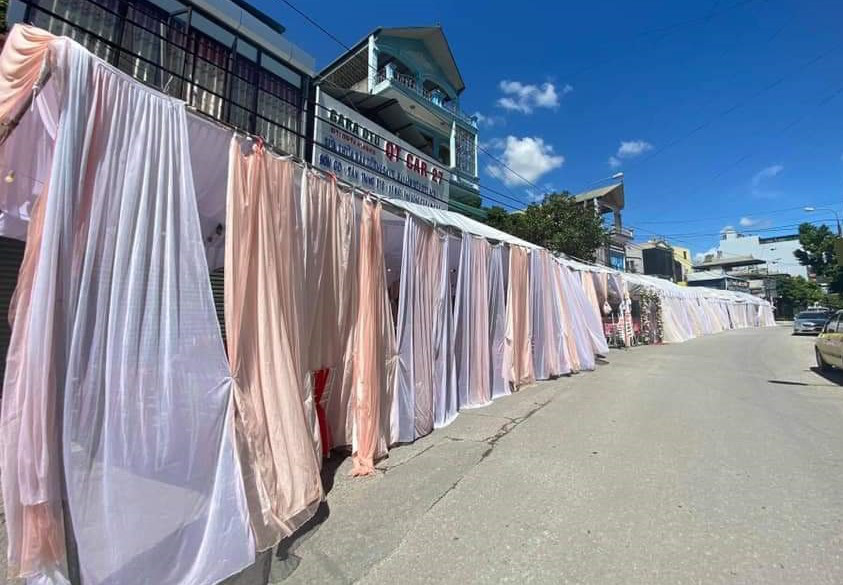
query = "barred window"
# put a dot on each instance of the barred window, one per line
(465, 151)
(246, 88)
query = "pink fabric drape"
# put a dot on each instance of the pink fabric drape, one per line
(518, 356)
(263, 307)
(374, 347)
(329, 228)
(471, 324)
(28, 422)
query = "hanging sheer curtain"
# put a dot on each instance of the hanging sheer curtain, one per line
(374, 355)
(420, 273)
(551, 343)
(518, 356)
(329, 229)
(444, 362)
(497, 321)
(591, 314)
(577, 311)
(264, 304)
(471, 324)
(115, 315)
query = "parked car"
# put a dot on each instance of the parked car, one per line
(829, 345)
(811, 321)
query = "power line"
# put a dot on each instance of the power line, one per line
(441, 119)
(731, 108)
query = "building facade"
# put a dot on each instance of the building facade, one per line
(387, 116)
(610, 200)
(224, 58)
(776, 251)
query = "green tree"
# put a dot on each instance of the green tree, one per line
(795, 293)
(558, 223)
(817, 253)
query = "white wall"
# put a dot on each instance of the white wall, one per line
(733, 244)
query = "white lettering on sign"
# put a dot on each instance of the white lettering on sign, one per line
(362, 153)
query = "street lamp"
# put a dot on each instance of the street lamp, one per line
(810, 209)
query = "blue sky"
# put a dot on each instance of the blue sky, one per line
(719, 112)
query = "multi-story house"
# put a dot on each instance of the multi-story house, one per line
(387, 118)
(605, 200)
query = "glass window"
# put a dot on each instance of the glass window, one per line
(81, 20)
(465, 151)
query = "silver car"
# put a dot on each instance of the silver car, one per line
(810, 322)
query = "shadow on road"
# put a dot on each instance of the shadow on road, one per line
(833, 376)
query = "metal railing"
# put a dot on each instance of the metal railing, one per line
(433, 96)
(165, 52)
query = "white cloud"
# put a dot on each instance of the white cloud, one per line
(633, 148)
(529, 157)
(524, 97)
(766, 173)
(484, 121)
(629, 149)
(700, 256)
(754, 222)
(727, 228)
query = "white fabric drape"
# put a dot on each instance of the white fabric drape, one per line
(497, 321)
(420, 272)
(551, 356)
(586, 341)
(121, 322)
(445, 404)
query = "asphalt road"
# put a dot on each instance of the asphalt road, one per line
(715, 461)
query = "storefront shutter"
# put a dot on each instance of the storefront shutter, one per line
(218, 287)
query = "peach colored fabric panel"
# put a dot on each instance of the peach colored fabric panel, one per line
(373, 357)
(30, 444)
(471, 316)
(518, 357)
(24, 53)
(263, 307)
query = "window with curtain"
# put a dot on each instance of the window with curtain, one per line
(259, 94)
(279, 112)
(89, 20)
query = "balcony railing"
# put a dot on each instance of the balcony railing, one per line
(434, 96)
(622, 233)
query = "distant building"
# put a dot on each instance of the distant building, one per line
(756, 273)
(776, 251)
(686, 263)
(719, 280)
(662, 259)
(387, 118)
(610, 199)
(634, 258)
